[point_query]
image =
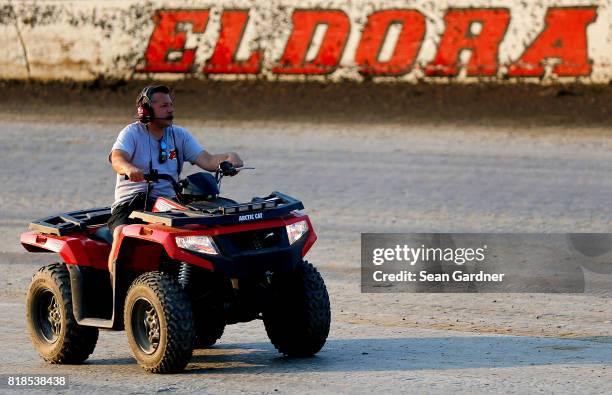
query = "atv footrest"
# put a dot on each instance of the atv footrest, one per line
(97, 322)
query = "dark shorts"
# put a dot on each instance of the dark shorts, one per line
(121, 213)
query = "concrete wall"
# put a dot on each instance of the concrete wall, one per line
(435, 41)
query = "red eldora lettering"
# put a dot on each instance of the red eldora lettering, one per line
(458, 35)
(328, 56)
(374, 35)
(223, 60)
(166, 38)
(564, 38)
(562, 44)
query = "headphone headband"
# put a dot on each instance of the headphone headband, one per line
(148, 92)
(145, 110)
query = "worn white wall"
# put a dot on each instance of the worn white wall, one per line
(84, 40)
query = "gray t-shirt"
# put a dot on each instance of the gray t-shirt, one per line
(143, 151)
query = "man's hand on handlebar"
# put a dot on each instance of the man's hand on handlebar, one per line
(226, 169)
(134, 174)
(234, 159)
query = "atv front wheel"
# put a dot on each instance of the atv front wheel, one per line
(54, 332)
(159, 323)
(298, 318)
(209, 329)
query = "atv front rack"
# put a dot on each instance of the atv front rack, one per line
(72, 221)
(275, 205)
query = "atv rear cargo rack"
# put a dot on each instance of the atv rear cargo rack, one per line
(275, 205)
(62, 224)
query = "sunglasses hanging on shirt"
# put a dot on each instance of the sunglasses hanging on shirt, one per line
(163, 150)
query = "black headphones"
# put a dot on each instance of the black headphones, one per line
(143, 103)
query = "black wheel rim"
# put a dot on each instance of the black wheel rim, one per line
(145, 326)
(48, 316)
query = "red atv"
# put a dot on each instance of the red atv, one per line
(195, 264)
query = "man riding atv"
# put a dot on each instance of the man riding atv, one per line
(184, 261)
(153, 143)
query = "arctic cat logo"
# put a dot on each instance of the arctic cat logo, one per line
(250, 217)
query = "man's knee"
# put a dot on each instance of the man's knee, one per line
(112, 253)
(117, 220)
(117, 231)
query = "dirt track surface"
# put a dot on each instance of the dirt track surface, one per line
(452, 175)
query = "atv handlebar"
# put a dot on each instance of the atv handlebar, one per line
(228, 169)
(154, 176)
(225, 169)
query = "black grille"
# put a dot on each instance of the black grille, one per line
(254, 240)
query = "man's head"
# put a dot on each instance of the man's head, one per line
(155, 106)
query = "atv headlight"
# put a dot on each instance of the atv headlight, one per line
(203, 244)
(296, 230)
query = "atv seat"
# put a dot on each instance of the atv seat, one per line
(103, 234)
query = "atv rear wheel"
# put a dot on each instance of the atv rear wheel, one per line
(54, 332)
(298, 319)
(159, 323)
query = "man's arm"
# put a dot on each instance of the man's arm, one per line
(121, 164)
(210, 162)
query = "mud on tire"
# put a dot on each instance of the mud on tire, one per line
(298, 319)
(159, 323)
(53, 329)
